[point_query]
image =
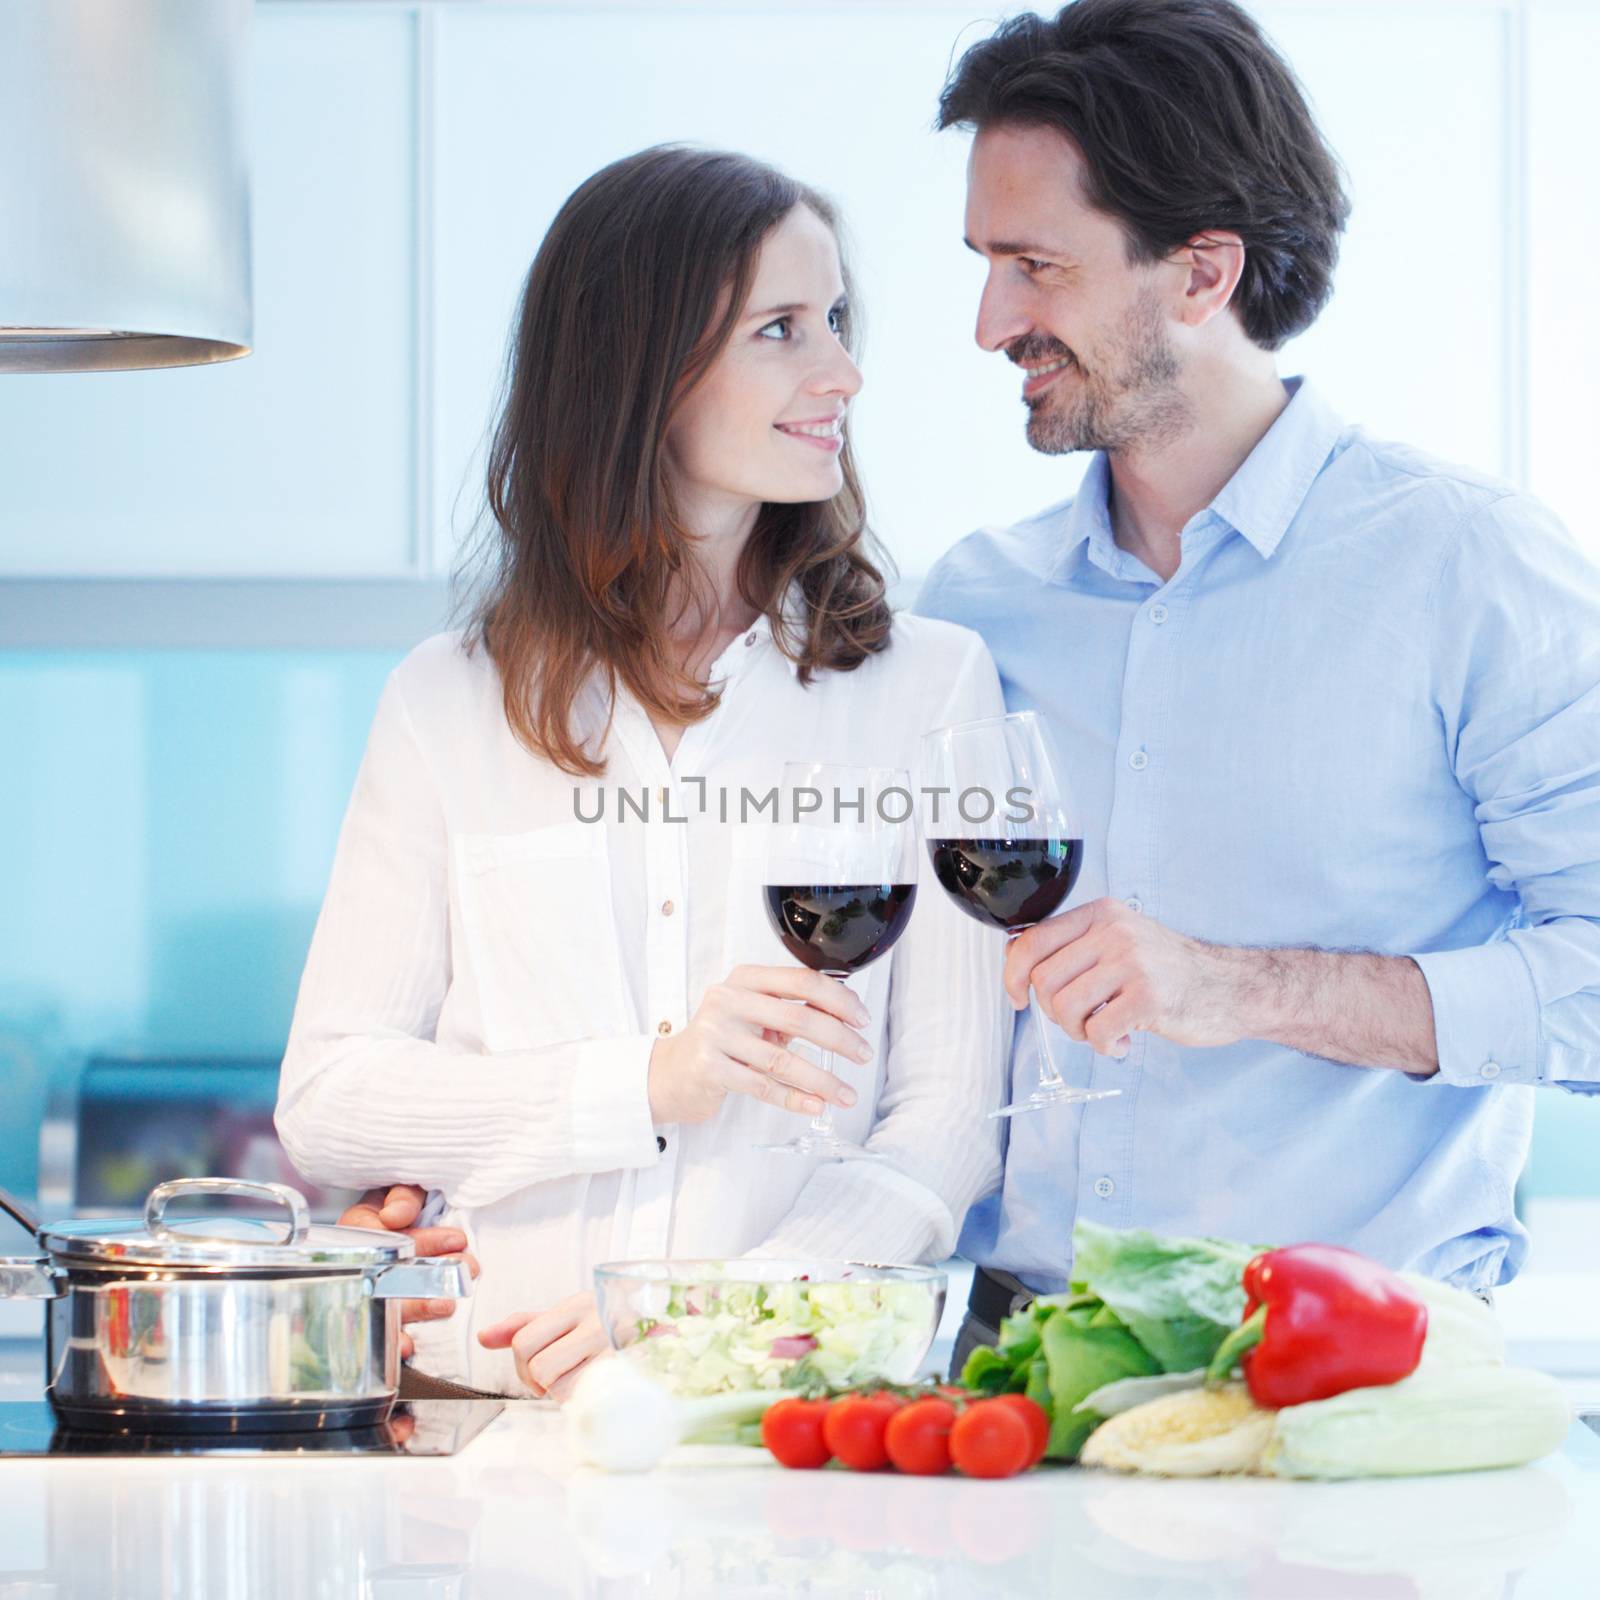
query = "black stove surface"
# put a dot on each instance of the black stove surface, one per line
(414, 1428)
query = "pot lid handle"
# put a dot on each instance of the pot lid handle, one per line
(179, 1188)
(18, 1212)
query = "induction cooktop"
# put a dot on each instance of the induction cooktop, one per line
(414, 1428)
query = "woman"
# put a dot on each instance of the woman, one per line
(574, 1032)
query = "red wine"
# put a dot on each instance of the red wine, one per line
(839, 927)
(1007, 883)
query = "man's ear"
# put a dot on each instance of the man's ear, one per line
(1214, 262)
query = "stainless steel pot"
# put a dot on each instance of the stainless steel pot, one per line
(222, 1322)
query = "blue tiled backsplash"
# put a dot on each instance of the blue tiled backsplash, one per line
(168, 820)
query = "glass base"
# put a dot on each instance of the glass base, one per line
(1044, 1099)
(827, 1145)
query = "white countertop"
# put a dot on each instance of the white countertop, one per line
(510, 1517)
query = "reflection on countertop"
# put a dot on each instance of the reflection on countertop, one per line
(510, 1517)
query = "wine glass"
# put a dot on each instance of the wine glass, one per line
(1015, 864)
(841, 875)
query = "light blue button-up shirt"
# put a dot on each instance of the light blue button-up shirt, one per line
(1364, 714)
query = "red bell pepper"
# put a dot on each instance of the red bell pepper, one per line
(1319, 1320)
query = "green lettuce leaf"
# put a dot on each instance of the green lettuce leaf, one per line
(1085, 1346)
(1177, 1297)
(986, 1371)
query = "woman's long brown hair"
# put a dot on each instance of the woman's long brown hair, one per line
(634, 291)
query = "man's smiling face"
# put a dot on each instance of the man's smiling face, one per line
(1089, 328)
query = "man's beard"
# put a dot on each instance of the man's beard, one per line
(1131, 400)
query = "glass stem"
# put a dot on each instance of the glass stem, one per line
(1049, 1076)
(822, 1123)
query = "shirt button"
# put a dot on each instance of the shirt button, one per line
(666, 908)
(1490, 1069)
(749, 639)
(1158, 615)
(1134, 903)
(661, 1141)
(1105, 1188)
(1138, 761)
(663, 1028)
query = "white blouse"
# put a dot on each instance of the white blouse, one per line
(489, 973)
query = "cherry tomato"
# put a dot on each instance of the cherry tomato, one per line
(918, 1437)
(792, 1431)
(989, 1440)
(854, 1427)
(1038, 1424)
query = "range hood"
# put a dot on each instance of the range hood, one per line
(124, 193)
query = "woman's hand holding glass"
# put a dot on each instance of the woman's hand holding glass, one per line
(737, 1043)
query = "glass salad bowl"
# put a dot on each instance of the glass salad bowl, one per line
(715, 1327)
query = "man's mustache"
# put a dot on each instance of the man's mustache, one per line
(1031, 350)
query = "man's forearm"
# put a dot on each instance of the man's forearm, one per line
(1105, 972)
(1368, 1010)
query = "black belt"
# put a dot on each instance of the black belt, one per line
(996, 1296)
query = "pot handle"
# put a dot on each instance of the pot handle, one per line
(444, 1277)
(178, 1188)
(30, 1278)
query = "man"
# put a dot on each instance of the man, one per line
(1331, 707)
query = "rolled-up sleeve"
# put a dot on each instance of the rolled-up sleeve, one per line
(1515, 623)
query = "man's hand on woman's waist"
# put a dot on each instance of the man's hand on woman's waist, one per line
(394, 1210)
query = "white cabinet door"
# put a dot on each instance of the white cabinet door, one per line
(296, 460)
(1564, 259)
(843, 97)
(1417, 343)
(530, 102)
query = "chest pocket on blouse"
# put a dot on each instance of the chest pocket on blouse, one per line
(539, 929)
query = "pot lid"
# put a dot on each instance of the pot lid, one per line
(292, 1243)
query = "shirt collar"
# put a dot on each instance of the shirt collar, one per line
(758, 638)
(1259, 501)
(1264, 496)
(1088, 520)
(795, 615)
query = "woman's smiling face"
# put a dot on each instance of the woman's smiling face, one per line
(764, 422)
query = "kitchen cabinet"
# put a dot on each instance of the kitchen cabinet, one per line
(531, 100)
(1563, 243)
(1420, 342)
(409, 156)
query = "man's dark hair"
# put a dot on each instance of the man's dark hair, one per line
(1187, 120)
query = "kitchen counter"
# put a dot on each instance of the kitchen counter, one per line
(510, 1517)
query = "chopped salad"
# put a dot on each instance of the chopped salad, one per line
(710, 1338)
